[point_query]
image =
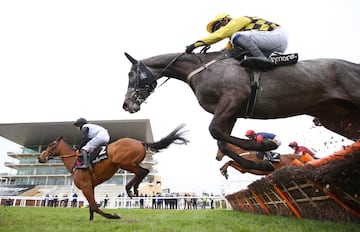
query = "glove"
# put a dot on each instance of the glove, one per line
(190, 48)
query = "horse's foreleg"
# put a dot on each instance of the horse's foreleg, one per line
(91, 211)
(223, 123)
(243, 163)
(223, 170)
(93, 207)
(236, 166)
(247, 164)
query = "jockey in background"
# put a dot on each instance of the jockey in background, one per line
(251, 134)
(253, 34)
(300, 150)
(92, 137)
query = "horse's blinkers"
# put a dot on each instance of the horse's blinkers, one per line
(141, 83)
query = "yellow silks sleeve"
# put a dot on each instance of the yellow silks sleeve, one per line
(224, 32)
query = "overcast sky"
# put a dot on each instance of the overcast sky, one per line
(60, 60)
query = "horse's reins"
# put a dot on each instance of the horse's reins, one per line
(50, 153)
(166, 67)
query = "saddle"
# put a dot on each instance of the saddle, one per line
(269, 156)
(278, 59)
(98, 155)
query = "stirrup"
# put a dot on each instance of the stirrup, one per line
(83, 166)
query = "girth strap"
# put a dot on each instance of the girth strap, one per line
(254, 85)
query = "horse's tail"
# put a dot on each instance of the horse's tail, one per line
(176, 136)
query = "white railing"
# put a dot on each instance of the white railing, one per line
(179, 202)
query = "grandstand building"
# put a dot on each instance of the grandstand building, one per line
(35, 137)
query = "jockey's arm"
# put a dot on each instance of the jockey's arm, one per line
(224, 32)
(259, 138)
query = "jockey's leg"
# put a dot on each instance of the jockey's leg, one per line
(83, 158)
(257, 60)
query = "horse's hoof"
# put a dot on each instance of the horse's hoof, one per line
(224, 173)
(117, 216)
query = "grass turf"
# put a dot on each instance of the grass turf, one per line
(75, 219)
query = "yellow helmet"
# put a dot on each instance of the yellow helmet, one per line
(215, 20)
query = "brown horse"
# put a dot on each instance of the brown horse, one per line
(125, 153)
(261, 167)
(327, 89)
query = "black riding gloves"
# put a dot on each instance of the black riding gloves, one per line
(190, 48)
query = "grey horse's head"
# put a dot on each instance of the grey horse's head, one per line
(141, 84)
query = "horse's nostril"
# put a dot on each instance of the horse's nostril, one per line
(125, 106)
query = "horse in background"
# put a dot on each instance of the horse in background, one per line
(125, 153)
(256, 165)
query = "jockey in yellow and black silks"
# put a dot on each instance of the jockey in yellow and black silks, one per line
(256, 35)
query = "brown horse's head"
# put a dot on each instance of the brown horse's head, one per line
(50, 151)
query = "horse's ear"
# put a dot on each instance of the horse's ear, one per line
(132, 59)
(60, 138)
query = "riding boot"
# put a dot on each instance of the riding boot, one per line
(83, 158)
(257, 60)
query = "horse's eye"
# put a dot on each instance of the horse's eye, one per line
(132, 77)
(142, 76)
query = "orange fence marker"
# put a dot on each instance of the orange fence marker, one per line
(337, 200)
(249, 202)
(297, 162)
(306, 158)
(261, 202)
(282, 195)
(337, 155)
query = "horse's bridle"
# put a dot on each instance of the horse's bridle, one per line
(145, 82)
(143, 85)
(52, 150)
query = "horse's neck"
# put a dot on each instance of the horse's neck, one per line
(176, 65)
(68, 156)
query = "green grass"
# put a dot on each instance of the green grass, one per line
(74, 219)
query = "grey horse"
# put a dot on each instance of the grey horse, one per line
(327, 89)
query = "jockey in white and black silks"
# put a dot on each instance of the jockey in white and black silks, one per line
(92, 137)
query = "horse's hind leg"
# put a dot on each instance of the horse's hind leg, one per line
(246, 164)
(141, 175)
(129, 186)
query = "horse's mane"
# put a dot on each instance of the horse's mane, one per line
(66, 143)
(169, 56)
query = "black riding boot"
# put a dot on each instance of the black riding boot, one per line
(83, 158)
(257, 60)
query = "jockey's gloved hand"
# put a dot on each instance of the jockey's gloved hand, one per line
(190, 48)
